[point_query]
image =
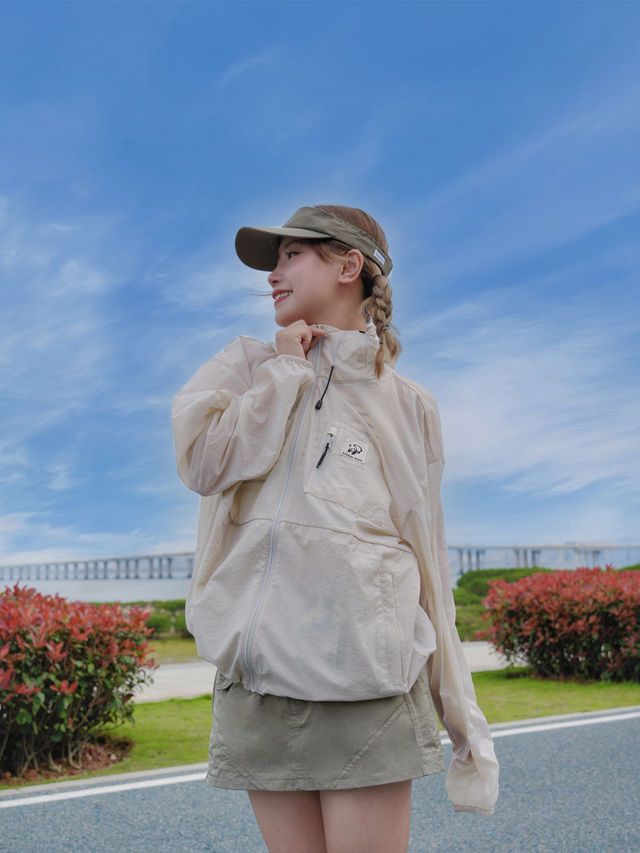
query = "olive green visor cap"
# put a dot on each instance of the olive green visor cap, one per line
(258, 247)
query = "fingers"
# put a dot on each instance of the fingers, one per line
(298, 338)
(312, 336)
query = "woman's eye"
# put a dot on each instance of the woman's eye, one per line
(290, 254)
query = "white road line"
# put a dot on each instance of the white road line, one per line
(564, 724)
(558, 724)
(104, 789)
(199, 777)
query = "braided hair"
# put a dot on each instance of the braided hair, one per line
(376, 290)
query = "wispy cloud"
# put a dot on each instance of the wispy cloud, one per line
(53, 328)
(33, 537)
(240, 68)
(62, 478)
(547, 189)
(535, 400)
(211, 298)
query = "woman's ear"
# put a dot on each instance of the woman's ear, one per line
(352, 264)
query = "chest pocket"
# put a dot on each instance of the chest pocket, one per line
(345, 469)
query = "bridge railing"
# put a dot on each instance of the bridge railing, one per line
(139, 567)
(463, 558)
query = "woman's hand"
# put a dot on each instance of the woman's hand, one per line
(298, 338)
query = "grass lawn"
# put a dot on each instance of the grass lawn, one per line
(163, 734)
(166, 734)
(174, 650)
(469, 620)
(506, 695)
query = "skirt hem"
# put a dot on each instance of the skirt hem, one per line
(231, 783)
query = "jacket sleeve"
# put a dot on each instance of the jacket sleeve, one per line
(472, 779)
(229, 420)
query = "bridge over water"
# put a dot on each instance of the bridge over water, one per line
(462, 557)
(138, 567)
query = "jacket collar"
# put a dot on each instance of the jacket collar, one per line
(350, 352)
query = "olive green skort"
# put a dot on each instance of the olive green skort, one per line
(273, 743)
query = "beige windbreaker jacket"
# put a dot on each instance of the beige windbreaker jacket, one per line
(321, 567)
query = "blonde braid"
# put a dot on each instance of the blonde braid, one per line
(376, 290)
(379, 308)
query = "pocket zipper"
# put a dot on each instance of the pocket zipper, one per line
(330, 436)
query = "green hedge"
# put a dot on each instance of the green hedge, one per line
(172, 606)
(471, 588)
(462, 597)
(167, 618)
(160, 623)
(477, 582)
(180, 625)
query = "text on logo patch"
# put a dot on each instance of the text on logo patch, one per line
(354, 449)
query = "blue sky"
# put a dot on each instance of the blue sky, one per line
(497, 143)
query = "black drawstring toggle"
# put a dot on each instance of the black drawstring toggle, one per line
(319, 403)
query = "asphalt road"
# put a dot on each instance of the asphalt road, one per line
(568, 785)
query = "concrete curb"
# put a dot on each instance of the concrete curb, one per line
(104, 779)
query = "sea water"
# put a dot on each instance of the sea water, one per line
(124, 590)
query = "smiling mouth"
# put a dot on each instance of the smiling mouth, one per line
(282, 296)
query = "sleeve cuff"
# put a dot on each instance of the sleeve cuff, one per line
(473, 809)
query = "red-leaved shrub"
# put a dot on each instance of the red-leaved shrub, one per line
(67, 669)
(583, 623)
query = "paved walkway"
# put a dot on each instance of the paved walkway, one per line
(188, 680)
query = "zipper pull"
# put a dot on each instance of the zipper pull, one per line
(319, 403)
(330, 436)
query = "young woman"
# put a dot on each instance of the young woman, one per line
(321, 588)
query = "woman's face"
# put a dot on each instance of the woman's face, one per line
(304, 285)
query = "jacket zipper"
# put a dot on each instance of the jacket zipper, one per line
(274, 533)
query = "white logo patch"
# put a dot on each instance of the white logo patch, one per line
(354, 449)
(377, 254)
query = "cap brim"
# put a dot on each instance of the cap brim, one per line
(258, 247)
